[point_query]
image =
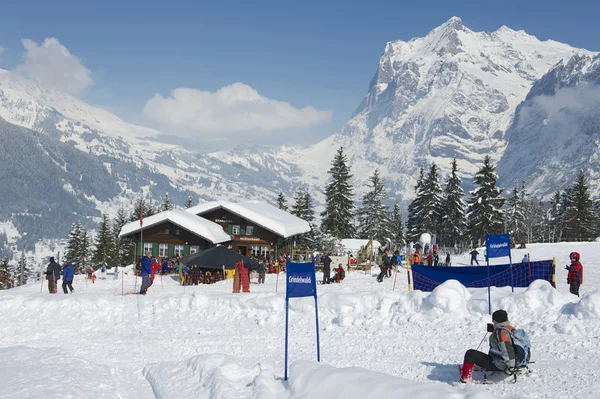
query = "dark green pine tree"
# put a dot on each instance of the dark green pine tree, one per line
(123, 250)
(22, 270)
(338, 215)
(555, 217)
(485, 211)
(515, 217)
(309, 208)
(104, 251)
(431, 203)
(146, 205)
(396, 225)
(74, 244)
(373, 215)
(188, 203)
(4, 274)
(166, 205)
(299, 206)
(579, 219)
(282, 202)
(84, 255)
(414, 223)
(453, 220)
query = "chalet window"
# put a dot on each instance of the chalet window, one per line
(264, 251)
(177, 232)
(255, 250)
(194, 249)
(166, 231)
(148, 247)
(178, 250)
(249, 230)
(163, 250)
(235, 229)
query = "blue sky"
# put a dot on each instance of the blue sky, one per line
(320, 54)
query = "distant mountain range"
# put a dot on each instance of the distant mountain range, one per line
(532, 105)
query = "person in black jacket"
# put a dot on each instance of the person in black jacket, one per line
(53, 272)
(326, 269)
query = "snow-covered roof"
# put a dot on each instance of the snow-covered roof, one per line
(265, 215)
(206, 229)
(355, 244)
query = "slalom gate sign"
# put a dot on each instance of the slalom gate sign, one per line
(301, 281)
(498, 245)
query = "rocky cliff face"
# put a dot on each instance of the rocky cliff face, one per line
(556, 130)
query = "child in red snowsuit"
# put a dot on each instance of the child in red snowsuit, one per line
(155, 268)
(575, 276)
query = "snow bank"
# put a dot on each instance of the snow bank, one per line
(50, 373)
(588, 307)
(213, 376)
(316, 380)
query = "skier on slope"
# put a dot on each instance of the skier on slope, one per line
(575, 276)
(474, 254)
(501, 356)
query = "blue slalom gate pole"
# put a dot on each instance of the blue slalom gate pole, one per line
(489, 289)
(317, 324)
(287, 303)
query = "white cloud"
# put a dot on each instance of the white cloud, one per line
(53, 66)
(229, 111)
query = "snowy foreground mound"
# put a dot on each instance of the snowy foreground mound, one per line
(204, 342)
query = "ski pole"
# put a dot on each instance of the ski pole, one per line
(482, 341)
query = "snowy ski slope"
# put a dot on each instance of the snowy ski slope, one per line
(204, 342)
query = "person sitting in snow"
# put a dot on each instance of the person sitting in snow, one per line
(575, 276)
(501, 356)
(339, 275)
(525, 259)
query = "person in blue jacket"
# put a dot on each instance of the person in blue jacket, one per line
(68, 275)
(146, 272)
(165, 266)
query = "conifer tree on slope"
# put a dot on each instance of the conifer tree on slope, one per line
(396, 225)
(167, 205)
(22, 269)
(414, 223)
(84, 249)
(282, 202)
(339, 203)
(453, 218)
(431, 203)
(579, 217)
(123, 251)
(4, 271)
(373, 215)
(188, 203)
(555, 217)
(485, 213)
(104, 252)
(74, 244)
(515, 217)
(299, 206)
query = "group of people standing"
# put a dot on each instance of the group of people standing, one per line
(54, 272)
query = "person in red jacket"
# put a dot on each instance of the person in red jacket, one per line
(155, 268)
(575, 276)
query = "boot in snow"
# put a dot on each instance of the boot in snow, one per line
(467, 372)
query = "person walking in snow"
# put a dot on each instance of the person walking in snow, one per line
(436, 258)
(68, 275)
(385, 265)
(447, 263)
(501, 356)
(474, 254)
(525, 259)
(145, 273)
(575, 276)
(53, 275)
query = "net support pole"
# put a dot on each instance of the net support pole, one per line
(317, 327)
(554, 272)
